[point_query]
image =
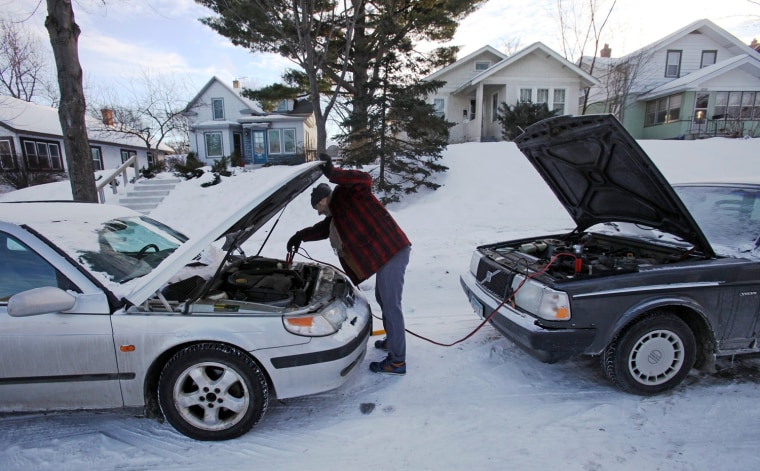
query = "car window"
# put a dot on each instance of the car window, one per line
(23, 269)
(131, 247)
(729, 217)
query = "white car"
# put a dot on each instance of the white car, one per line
(102, 307)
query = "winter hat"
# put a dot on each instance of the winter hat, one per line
(320, 191)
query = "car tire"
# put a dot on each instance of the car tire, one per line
(653, 355)
(212, 392)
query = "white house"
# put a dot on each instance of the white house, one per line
(223, 123)
(698, 81)
(476, 85)
(30, 135)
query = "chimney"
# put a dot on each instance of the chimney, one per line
(606, 51)
(236, 84)
(107, 114)
(755, 45)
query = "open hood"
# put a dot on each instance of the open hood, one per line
(271, 189)
(600, 174)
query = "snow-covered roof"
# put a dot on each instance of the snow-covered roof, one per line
(537, 46)
(23, 117)
(695, 80)
(460, 62)
(251, 105)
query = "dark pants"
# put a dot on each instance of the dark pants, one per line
(389, 286)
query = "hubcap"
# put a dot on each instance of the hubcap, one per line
(211, 396)
(656, 357)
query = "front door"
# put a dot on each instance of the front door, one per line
(259, 147)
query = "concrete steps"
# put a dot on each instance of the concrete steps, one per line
(147, 193)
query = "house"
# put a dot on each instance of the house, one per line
(698, 81)
(30, 135)
(224, 123)
(476, 85)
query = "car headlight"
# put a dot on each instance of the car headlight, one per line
(540, 300)
(325, 322)
(474, 263)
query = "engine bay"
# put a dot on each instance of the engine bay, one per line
(585, 255)
(253, 284)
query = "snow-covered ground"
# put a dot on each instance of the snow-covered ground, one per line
(481, 404)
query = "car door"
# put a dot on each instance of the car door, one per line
(53, 360)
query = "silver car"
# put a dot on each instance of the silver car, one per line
(102, 307)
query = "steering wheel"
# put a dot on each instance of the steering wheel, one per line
(143, 250)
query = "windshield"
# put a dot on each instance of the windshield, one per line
(131, 247)
(729, 216)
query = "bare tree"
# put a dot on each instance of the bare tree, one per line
(618, 78)
(64, 37)
(24, 72)
(149, 108)
(578, 26)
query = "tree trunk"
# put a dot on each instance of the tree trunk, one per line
(64, 37)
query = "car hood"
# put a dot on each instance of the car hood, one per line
(600, 174)
(235, 222)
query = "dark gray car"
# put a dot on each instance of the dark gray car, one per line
(654, 280)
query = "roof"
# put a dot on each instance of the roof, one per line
(695, 80)
(704, 26)
(251, 105)
(459, 62)
(533, 48)
(22, 117)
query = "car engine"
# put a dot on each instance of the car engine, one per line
(587, 255)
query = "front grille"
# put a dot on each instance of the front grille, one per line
(493, 278)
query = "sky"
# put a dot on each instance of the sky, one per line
(482, 404)
(121, 38)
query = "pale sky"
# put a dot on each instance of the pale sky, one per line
(119, 37)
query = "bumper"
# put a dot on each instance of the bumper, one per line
(324, 363)
(548, 345)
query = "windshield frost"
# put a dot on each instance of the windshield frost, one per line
(131, 247)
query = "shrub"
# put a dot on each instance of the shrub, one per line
(514, 119)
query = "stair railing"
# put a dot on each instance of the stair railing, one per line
(131, 162)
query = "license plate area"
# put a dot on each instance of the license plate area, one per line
(477, 307)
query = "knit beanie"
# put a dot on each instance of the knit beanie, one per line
(320, 191)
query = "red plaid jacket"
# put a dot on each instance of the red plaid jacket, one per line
(369, 234)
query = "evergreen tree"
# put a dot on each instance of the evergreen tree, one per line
(514, 119)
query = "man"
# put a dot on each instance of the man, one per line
(368, 242)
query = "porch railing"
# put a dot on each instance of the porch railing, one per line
(131, 162)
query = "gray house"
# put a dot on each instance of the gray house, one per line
(30, 135)
(476, 85)
(698, 81)
(223, 123)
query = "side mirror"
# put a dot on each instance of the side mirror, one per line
(40, 301)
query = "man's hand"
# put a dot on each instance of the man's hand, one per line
(327, 166)
(294, 242)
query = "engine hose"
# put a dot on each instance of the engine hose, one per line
(485, 320)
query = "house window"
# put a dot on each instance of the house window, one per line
(213, 144)
(559, 101)
(275, 147)
(151, 158)
(282, 106)
(494, 107)
(542, 96)
(482, 65)
(526, 94)
(438, 107)
(217, 108)
(289, 141)
(473, 105)
(700, 107)
(737, 105)
(708, 58)
(127, 154)
(42, 155)
(673, 64)
(664, 110)
(97, 158)
(7, 160)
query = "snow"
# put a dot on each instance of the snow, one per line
(480, 404)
